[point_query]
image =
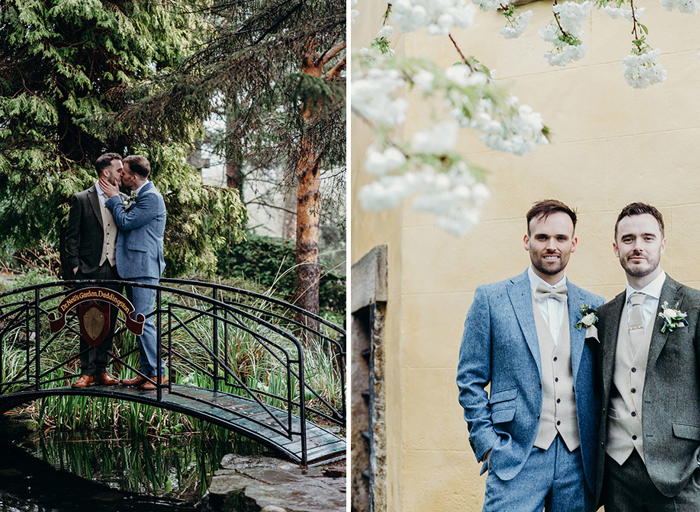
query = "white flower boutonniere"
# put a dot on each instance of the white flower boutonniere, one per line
(588, 317)
(673, 317)
(129, 200)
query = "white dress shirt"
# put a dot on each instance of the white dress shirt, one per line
(651, 301)
(552, 310)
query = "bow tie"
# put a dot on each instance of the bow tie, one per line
(543, 293)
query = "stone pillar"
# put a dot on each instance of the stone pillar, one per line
(368, 405)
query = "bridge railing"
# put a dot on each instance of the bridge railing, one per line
(275, 354)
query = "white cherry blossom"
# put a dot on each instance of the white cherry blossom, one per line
(520, 24)
(640, 71)
(684, 6)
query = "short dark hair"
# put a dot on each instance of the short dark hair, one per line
(105, 161)
(548, 207)
(138, 164)
(640, 209)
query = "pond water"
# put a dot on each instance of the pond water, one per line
(103, 472)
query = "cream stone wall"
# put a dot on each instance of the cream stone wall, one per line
(610, 145)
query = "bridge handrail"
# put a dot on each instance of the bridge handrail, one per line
(225, 305)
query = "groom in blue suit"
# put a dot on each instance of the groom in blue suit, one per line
(526, 338)
(139, 256)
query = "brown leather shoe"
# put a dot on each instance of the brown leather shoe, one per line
(148, 385)
(134, 381)
(84, 381)
(105, 379)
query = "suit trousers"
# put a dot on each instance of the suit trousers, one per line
(144, 300)
(94, 360)
(551, 479)
(628, 488)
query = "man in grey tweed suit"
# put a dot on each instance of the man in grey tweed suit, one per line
(91, 242)
(649, 435)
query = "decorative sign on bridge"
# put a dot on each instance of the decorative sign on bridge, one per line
(94, 313)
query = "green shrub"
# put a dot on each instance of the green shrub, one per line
(270, 262)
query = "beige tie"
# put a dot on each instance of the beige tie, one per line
(636, 320)
(543, 293)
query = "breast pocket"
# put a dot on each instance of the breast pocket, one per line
(503, 405)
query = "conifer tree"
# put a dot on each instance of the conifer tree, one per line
(277, 68)
(67, 65)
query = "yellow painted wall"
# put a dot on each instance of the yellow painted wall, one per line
(611, 145)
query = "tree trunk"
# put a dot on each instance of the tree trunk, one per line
(308, 271)
(234, 160)
(289, 221)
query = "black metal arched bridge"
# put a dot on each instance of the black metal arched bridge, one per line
(258, 366)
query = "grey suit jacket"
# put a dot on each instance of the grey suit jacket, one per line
(500, 348)
(671, 410)
(84, 233)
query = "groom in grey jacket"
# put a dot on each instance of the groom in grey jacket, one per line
(526, 338)
(649, 451)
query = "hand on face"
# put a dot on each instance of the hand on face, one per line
(109, 189)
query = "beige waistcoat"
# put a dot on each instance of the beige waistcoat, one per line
(558, 398)
(109, 237)
(625, 411)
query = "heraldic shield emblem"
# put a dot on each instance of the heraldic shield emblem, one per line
(94, 313)
(94, 318)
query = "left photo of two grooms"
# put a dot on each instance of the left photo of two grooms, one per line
(524, 291)
(173, 255)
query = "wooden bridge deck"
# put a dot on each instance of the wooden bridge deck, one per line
(236, 413)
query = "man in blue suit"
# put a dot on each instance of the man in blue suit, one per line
(526, 337)
(140, 255)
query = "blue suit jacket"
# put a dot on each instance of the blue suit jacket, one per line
(500, 347)
(140, 239)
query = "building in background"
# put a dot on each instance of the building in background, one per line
(610, 145)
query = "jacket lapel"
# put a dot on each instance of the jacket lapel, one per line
(608, 338)
(521, 299)
(95, 203)
(574, 302)
(672, 293)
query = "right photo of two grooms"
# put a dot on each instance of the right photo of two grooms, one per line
(524, 289)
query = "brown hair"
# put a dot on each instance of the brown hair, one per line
(138, 164)
(640, 209)
(105, 161)
(548, 207)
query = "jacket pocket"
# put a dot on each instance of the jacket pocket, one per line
(503, 405)
(503, 415)
(503, 396)
(686, 431)
(136, 247)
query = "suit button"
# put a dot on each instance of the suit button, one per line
(558, 400)
(633, 390)
(634, 413)
(556, 379)
(558, 422)
(555, 358)
(634, 438)
(634, 369)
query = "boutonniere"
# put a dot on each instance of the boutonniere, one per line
(130, 200)
(673, 317)
(588, 317)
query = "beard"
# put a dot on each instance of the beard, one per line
(641, 271)
(538, 263)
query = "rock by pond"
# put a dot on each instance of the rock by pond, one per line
(257, 483)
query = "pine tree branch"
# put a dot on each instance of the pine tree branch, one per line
(331, 53)
(335, 71)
